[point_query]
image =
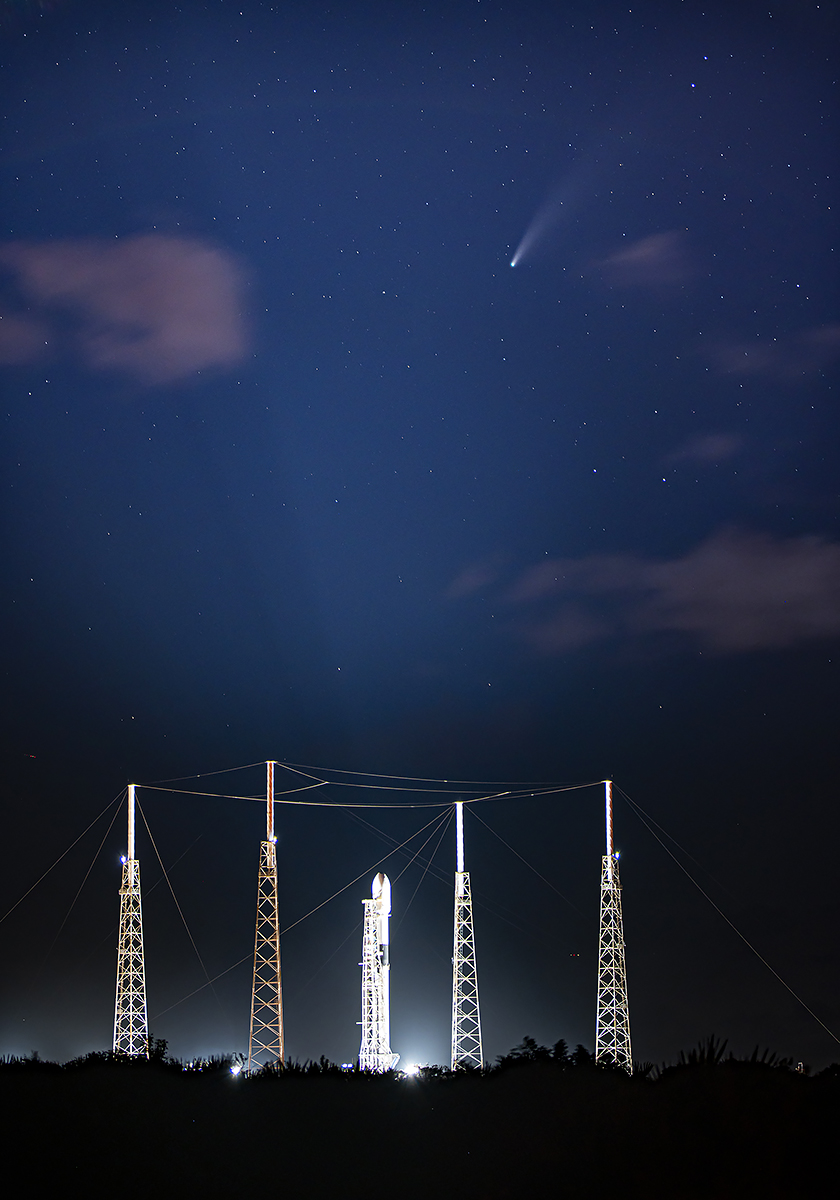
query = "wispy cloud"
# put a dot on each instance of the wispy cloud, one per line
(785, 358)
(655, 261)
(474, 578)
(155, 307)
(737, 591)
(23, 339)
(706, 449)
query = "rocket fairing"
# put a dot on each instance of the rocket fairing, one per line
(381, 893)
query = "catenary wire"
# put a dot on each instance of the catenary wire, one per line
(468, 784)
(528, 865)
(506, 795)
(226, 795)
(117, 798)
(510, 791)
(317, 972)
(444, 820)
(463, 783)
(205, 774)
(76, 897)
(180, 911)
(639, 812)
(446, 825)
(682, 849)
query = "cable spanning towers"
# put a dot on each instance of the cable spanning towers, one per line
(612, 1025)
(265, 1047)
(131, 1027)
(375, 1051)
(466, 1018)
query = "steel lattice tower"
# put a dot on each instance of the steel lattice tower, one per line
(612, 1025)
(466, 1017)
(131, 1027)
(375, 1051)
(265, 1046)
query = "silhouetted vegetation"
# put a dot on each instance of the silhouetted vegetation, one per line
(711, 1052)
(541, 1120)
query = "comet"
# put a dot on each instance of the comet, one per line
(547, 216)
(565, 199)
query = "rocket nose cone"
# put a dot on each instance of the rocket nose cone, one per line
(376, 886)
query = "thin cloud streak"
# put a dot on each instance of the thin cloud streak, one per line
(155, 307)
(655, 261)
(737, 591)
(474, 578)
(707, 449)
(22, 339)
(786, 358)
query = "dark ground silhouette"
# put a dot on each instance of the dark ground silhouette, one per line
(541, 1123)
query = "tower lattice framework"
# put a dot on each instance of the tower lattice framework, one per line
(375, 1051)
(265, 1045)
(131, 1026)
(612, 1026)
(466, 1015)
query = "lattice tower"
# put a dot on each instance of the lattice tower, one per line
(612, 1025)
(265, 1046)
(375, 1050)
(466, 1015)
(131, 1026)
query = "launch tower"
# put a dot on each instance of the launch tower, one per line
(131, 1027)
(375, 1051)
(466, 1018)
(612, 1025)
(265, 1047)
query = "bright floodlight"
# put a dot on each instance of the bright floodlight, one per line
(412, 1069)
(236, 1068)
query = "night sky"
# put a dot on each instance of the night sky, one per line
(297, 465)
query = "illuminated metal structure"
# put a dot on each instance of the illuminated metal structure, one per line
(265, 1046)
(131, 1026)
(375, 1051)
(612, 1025)
(466, 1018)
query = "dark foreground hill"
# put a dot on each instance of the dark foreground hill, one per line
(731, 1130)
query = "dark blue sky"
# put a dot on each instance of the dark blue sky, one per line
(295, 465)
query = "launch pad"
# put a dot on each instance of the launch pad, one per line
(266, 1048)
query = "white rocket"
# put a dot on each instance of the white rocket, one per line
(375, 1053)
(381, 892)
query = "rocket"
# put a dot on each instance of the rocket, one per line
(375, 1053)
(381, 893)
